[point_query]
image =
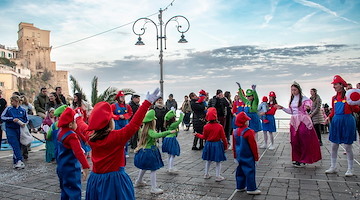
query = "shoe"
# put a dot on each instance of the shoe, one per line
(263, 146)
(230, 147)
(321, 144)
(298, 164)
(254, 192)
(241, 190)
(140, 184)
(331, 170)
(173, 171)
(219, 178)
(349, 173)
(156, 191)
(127, 156)
(19, 165)
(201, 147)
(207, 176)
(194, 148)
(271, 147)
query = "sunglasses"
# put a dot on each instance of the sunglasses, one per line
(249, 96)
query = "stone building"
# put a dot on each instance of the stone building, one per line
(33, 55)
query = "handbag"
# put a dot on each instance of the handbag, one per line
(25, 136)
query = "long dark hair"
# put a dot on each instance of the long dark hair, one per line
(79, 101)
(300, 93)
(227, 94)
(57, 99)
(274, 101)
(100, 134)
(342, 92)
(167, 123)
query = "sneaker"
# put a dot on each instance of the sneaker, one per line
(219, 178)
(127, 156)
(349, 173)
(19, 165)
(298, 164)
(263, 146)
(156, 191)
(140, 184)
(230, 147)
(241, 190)
(207, 176)
(254, 192)
(331, 170)
(173, 171)
(271, 147)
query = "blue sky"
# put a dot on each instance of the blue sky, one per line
(268, 43)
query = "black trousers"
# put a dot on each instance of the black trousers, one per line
(318, 129)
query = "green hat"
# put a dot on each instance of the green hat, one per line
(150, 115)
(170, 115)
(249, 92)
(58, 111)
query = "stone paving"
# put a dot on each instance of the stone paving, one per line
(276, 177)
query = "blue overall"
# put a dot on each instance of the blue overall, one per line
(245, 172)
(120, 111)
(121, 123)
(68, 170)
(254, 123)
(342, 126)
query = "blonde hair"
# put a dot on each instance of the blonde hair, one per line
(144, 134)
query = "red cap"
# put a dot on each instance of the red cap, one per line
(100, 116)
(211, 114)
(66, 117)
(120, 94)
(272, 94)
(265, 99)
(338, 79)
(241, 118)
(202, 92)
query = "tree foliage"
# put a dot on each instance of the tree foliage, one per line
(76, 87)
(7, 62)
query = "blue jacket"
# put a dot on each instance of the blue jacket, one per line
(10, 113)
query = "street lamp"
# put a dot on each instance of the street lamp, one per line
(161, 37)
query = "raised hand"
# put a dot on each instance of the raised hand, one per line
(238, 84)
(153, 96)
(253, 87)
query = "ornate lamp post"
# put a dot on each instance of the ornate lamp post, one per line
(160, 37)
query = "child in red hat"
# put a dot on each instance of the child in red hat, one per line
(215, 145)
(69, 154)
(263, 108)
(108, 179)
(245, 154)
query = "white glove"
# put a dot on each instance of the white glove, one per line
(78, 114)
(173, 109)
(236, 161)
(154, 96)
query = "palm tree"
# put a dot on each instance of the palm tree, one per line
(76, 87)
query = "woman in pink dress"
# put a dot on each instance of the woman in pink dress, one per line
(304, 142)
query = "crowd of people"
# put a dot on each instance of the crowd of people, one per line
(106, 133)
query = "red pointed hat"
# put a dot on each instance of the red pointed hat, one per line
(66, 117)
(338, 79)
(211, 114)
(120, 94)
(272, 94)
(265, 99)
(241, 118)
(100, 116)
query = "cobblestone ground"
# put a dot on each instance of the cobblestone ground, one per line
(276, 177)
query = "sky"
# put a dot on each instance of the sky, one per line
(270, 43)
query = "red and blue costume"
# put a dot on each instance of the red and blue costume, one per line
(108, 180)
(246, 153)
(69, 154)
(271, 125)
(122, 112)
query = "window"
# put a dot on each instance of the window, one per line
(10, 56)
(19, 71)
(2, 84)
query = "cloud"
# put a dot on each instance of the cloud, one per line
(323, 8)
(270, 16)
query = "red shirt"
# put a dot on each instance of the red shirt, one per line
(235, 105)
(272, 109)
(249, 135)
(348, 108)
(72, 142)
(213, 132)
(108, 154)
(127, 115)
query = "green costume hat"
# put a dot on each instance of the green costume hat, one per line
(150, 115)
(249, 92)
(170, 115)
(58, 111)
